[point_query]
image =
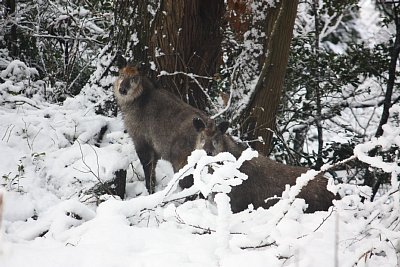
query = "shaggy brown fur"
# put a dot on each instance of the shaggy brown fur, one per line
(160, 124)
(268, 178)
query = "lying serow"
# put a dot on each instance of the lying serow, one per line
(268, 178)
(160, 124)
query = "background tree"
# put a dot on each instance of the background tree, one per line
(392, 11)
(10, 34)
(186, 44)
(218, 56)
(351, 77)
(59, 39)
(260, 115)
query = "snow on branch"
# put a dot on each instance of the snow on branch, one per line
(211, 174)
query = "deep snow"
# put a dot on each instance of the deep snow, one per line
(51, 157)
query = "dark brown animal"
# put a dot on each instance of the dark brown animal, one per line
(268, 178)
(160, 124)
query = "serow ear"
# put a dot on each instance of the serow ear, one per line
(121, 61)
(198, 124)
(223, 126)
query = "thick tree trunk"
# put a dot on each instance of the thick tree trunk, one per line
(260, 115)
(187, 39)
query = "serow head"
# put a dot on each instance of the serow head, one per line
(129, 82)
(210, 136)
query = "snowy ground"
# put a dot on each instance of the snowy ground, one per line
(51, 157)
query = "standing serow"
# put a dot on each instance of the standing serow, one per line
(268, 178)
(160, 124)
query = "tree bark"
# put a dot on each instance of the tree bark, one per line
(187, 39)
(260, 116)
(11, 36)
(394, 55)
(371, 180)
(319, 162)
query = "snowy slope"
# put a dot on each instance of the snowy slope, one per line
(51, 156)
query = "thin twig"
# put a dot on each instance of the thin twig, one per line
(91, 171)
(21, 102)
(193, 77)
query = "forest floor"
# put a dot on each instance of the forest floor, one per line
(51, 158)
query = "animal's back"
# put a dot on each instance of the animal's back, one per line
(268, 178)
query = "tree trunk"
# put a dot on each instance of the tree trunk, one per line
(371, 180)
(187, 39)
(316, 83)
(260, 115)
(11, 36)
(394, 55)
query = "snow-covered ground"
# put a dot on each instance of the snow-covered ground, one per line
(52, 156)
(53, 159)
